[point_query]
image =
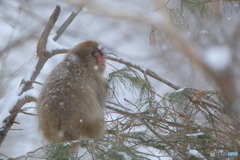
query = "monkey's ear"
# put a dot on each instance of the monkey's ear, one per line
(100, 47)
(72, 57)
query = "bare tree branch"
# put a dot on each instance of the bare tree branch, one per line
(26, 84)
(67, 23)
(43, 56)
(58, 51)
(41, 50)
(21, 102)
(41, 46)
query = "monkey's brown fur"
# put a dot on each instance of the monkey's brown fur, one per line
(71, 103)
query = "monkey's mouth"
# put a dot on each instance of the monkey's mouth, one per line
(102, 66)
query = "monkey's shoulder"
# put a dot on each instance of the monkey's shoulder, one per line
(70, 79)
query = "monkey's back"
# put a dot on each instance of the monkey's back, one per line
(71, 103)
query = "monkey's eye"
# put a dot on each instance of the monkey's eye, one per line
(97, 52)
(93, 53)
(101, 53)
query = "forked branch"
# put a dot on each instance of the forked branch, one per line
(27, 83)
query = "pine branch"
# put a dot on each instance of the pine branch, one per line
(142, 117)
(143, 70)
(224, 79)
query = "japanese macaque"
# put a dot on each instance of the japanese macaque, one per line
(71, 103)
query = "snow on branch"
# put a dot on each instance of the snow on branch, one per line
(196, 154)
(195, 134)
(53, 45)
(28, 96)
(32, 69)
(41, 46)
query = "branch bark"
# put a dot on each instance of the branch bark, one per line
(67, 23)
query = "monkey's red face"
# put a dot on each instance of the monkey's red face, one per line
(100, 59)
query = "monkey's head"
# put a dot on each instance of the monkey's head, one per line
(90, 54)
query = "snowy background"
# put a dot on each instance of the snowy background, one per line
(22, 22)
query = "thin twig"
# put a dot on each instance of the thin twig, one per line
(31, 152)
(36, 82)
(134, 115)
(31, 114)
(21, 102)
